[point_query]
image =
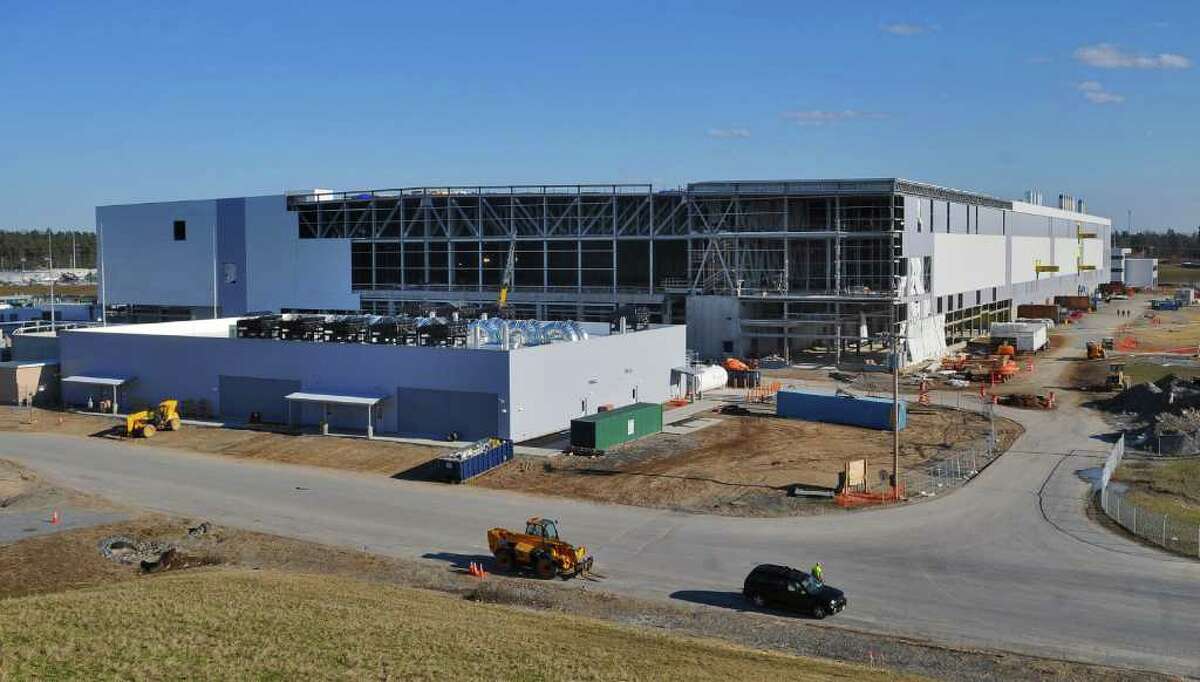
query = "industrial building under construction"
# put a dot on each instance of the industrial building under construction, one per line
(823, 269)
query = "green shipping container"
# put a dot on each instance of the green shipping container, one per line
(605, 429)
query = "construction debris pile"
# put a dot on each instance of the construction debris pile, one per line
(1177, 434)
(1171, 394)
(1168, 411)
(151, 556)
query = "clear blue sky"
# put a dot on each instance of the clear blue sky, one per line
(132, 101)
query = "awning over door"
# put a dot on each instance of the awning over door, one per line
(368, 402)
(108, 382)
(97, 381)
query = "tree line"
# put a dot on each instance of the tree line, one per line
(29, 249)
(1167, 244)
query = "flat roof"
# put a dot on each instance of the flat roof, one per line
(96, 381)
(335, 398)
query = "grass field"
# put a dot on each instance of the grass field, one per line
(234, 624)
(1171, 488)
(1170, 273)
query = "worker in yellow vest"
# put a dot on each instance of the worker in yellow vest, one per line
(818, 571)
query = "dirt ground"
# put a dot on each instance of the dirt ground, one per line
(745, 464)
(1161, 330)
(352, 454)
(64, 290)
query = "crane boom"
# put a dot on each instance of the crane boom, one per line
(507, 280)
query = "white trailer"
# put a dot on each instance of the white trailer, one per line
(1028, 337)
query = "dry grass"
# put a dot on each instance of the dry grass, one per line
(1170, 487)
(226, 624)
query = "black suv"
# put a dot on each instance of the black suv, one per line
(787, 588)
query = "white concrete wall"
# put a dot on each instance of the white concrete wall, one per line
(551, 383)
(288, 272)
(142, 262)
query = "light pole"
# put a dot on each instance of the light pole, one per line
(50, 265)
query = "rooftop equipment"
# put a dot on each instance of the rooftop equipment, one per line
(294, 327)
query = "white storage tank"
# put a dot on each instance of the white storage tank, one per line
(711, 377)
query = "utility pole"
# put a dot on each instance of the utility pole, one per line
(895, 406)
(50, 263)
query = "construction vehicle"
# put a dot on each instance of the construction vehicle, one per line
(1095, 351)
(146, 423)
(539, 548)
(1116, 380)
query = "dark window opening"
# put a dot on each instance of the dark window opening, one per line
(180, 230)
(726, 346)
(939, 302)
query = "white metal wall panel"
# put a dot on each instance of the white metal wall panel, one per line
(144, 264)
(965, 262)
(1093, 253)
(1066, 253)
(1025, 252)
(285, 271)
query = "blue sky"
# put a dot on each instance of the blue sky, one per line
(123, 102)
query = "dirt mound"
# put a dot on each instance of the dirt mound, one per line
(1171, 394)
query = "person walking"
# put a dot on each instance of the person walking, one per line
(818, 571)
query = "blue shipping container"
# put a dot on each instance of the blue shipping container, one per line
(465, 464)
(871, 413)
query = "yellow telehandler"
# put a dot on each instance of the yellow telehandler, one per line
(146, 423)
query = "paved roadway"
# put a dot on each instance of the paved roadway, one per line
(1009, 562)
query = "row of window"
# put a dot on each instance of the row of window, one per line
(950, 301)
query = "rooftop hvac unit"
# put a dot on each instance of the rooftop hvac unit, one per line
(636, 318)
(258, 327)
(346, 329)
(302, 327)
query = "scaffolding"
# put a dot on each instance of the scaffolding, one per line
(812, 263)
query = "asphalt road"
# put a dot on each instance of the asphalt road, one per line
(1011, 561)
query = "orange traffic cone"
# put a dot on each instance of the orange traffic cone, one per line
(54, 518)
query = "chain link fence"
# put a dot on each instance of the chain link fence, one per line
(1164, 530)
(934, 478)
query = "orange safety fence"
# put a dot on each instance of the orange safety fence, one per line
(1126, 343)
(863, 498)
(760, 394)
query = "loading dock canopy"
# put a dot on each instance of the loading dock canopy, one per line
(96, 381)
(327, 399)
(111, 382)
(334, 399)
